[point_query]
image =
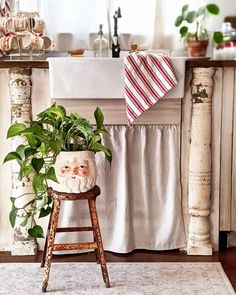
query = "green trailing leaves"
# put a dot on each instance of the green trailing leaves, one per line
(51, 174)
(37, 164)
(99, 118)
(36, 232)
(53, 131)
(15, 129)
(44, 212)
(12, 216)
(25, 221)
(12, 156)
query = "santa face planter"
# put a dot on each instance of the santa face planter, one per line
(75, 171)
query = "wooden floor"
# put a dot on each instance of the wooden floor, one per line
(227, 258)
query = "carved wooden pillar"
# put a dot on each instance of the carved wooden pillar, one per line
(199, 241)
(21, 112)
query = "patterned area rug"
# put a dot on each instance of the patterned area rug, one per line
(162, 278)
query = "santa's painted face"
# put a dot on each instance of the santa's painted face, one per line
(74, 168)
(75, 173)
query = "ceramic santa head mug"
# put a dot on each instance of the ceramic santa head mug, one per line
(75, 171)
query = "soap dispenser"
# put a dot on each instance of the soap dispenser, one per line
(100, 45)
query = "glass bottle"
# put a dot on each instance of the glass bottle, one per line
(100, 45)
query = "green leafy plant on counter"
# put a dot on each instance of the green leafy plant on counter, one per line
(192, 23)
(52, 132)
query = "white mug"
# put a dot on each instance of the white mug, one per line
(9, 43)
(32, 41)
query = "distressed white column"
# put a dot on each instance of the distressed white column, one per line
(199, 203)
(21, 112)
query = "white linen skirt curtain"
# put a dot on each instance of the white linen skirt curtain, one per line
(140, 202)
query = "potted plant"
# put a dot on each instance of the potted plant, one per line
(46, 139)
(192, 28)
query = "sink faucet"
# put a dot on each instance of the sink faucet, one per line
(115, 44)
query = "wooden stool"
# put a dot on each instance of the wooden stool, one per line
(52, 229)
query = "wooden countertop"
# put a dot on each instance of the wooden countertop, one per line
(43, 64)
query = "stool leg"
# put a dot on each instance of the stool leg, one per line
(98, 238)
(46, 241)
(51, 238)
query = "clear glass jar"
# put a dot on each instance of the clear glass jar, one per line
(100, 45)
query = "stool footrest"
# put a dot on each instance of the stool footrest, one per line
(72, 229)
(74, 246)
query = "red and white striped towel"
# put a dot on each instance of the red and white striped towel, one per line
(148, 78)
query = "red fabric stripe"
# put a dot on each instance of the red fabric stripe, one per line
(143, 78)
(152, 74)
(167, 62)
(165, 74)
(131, 112)
(137, 87)
(134, 100)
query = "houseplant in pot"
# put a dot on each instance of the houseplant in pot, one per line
(58, 149)
(192, 30)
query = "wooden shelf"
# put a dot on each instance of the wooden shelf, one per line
(43, 64)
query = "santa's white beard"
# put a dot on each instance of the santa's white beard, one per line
(77, 184)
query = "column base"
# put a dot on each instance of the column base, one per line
(24, 248)
(204, 249)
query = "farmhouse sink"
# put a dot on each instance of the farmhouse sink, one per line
(98, 78)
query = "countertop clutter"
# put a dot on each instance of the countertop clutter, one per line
(23, 35)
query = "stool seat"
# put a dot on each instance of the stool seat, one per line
(91, 194)
(97, 245)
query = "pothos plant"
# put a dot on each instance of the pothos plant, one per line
(52, 132)
(192, 23)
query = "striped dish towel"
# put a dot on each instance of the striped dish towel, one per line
(148, 78)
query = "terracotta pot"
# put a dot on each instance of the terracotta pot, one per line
(75, 171)
(197, 48)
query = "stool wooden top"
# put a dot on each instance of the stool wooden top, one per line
(89, 195)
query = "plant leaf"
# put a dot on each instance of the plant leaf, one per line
(184, 10)
(36, 232)
(12, 156)
(13, 200)
(29, 152)
(37, 164)
(12, 216)
(213, 9)
(32, 140)
(20, 150)
(38, 183)
(45, 212)
(178, 21)
(218, 37)
(200, 11)
(98, 147)
(24, 222)
(15, 129)
(190, 17)
(51, 174)
(183, 31)
(99, 118)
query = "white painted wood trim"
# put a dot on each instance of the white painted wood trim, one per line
(199, 241)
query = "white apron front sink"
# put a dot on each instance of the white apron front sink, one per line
(98, 78)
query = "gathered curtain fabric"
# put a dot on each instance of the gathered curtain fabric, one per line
(140, 202)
